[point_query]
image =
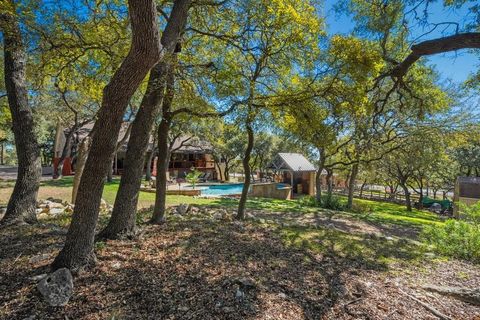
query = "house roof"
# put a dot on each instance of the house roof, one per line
(182, 144)
(190, 144)
(292, 162)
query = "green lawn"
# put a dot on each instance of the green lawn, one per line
(353, 246)
(370, 211)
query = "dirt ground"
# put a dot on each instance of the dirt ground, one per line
(200, 268)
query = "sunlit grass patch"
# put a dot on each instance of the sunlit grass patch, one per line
(371, 252)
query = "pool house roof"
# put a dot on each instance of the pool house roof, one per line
(295, 162)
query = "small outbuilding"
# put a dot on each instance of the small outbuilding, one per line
(295, 170)
(467, 192)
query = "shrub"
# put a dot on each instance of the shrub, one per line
(328, 202)
(193, 177)
(457, 238)
(362, 207)
(332, 202)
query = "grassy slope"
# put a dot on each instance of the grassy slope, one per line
(370, 211)
(323, 240)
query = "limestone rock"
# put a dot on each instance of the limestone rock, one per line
(183, 208)
(57, 288)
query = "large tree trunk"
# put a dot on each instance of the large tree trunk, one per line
(81, 159)
(162, 167)
(246, 172)
(351, 185)
(122, 221)
(144, 53)
(164, 148)
(22, 203)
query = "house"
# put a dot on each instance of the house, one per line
(186, 152)
(467, 192)
(296, 170)
(189, 152)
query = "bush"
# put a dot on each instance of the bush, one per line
(328, 202)
(457, 238)
(362, 207)
(332, 202)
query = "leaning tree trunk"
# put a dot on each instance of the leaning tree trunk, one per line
(22, 204)
(163, 146)
(351, 185)
(158, 216)
(122, 221)
(81, 159)
(144, 53)
(246, 172)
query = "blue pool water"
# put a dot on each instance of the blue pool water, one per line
(221, 189)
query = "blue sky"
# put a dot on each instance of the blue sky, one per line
(455, 66)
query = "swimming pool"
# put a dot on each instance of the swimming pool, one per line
(220, 189)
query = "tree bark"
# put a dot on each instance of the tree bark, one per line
(246, 172)
(81, 159)
(439, 45)
(22, 204)
(158, 216)
(144, 53)
(163, 146)
(122, 221)
(351, 185)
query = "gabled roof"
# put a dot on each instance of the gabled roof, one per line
(292, 162)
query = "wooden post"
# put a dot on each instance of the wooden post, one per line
(291, 183)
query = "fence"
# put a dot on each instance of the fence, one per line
(379, 195)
